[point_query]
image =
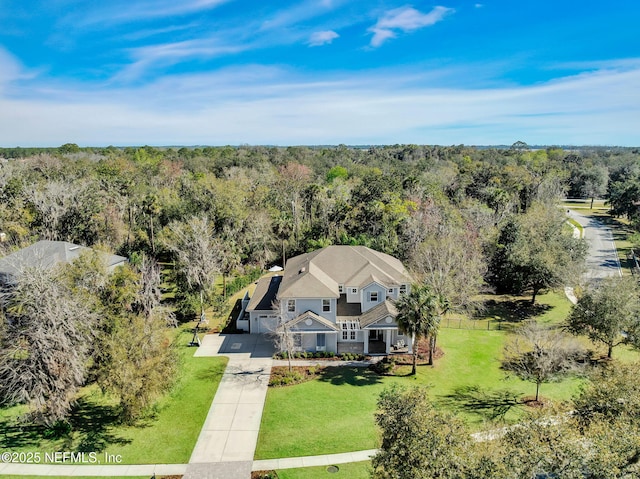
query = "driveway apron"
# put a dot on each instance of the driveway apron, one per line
(227, 442)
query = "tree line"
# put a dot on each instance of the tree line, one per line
(462, 219)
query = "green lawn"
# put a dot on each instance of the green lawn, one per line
(353, 470)
(334, 413)
(167, 437)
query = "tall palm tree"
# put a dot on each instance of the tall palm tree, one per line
(419, 315)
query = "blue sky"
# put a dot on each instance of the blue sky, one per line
(217, 72)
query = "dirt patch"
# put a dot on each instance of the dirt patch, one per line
(264, 475)
(423, 354)
(530, 401)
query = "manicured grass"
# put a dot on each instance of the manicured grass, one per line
(335, 413)
(353, 470)
(165, 438)
(331, 414)
(505, 312)
(578, 226)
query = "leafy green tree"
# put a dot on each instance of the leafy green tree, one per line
(418, 441)
(543, 444)
(541, 355)
(607, 413)
(624, 195)
(608, 314)
(136, 360)
(534, 252)
(419, 314)
(337, 172)
(593, 182)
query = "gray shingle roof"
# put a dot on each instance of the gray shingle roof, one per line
(378, 313)
(319, 273)
(47, 254)
(264, 294)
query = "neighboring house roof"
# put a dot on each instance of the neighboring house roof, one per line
(264, 294)
(319, 273)
(47, 254)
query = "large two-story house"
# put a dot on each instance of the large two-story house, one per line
(338, 298)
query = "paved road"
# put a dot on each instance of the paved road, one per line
(602, 257)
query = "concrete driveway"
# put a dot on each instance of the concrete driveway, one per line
(227, 441)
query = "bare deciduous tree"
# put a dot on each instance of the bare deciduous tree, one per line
(51, 202)
(196, 252)
(46, 344)
(150, 294)
(541, 355)
(451, 263)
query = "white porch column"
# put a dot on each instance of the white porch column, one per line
(387, 341)
(365, 333)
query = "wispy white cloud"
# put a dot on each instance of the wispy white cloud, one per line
(167, 54)
(322, 38)
(11, 70)
(267, 105)
(118, 12)
(298, 13)
(404, 19)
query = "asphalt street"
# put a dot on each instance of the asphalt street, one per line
(602, 257)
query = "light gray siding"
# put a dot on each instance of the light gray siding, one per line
(375, 288)
(315, 305)
(351, 296)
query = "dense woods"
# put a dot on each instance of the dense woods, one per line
(462, 219)
(264, 204)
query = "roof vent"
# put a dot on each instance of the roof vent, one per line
(73, 248)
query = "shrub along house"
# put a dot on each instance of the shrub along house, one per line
(339, 299)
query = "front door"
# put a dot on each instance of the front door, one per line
(375, 335)
(321, 342)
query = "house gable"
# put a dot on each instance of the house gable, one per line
(311, 322)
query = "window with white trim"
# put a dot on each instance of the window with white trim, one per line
(291, 305)
(403, 289)
(354, 290)
(349, 330)
(373, 296)
(326, 305)
(341, 288)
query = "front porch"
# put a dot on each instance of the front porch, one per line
(385, 341)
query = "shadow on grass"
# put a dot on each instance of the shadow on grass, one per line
(513, 311)
(489, 404)
(346, 375)
(89, 428)
(211, 374)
